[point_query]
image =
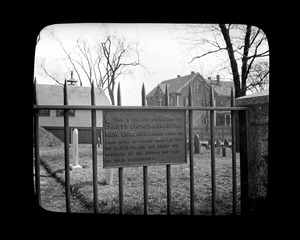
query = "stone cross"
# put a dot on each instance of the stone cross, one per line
(75, 164)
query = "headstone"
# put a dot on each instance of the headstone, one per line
(226, 143)
(109, 175)
(196, 143)
(75, 164)
(224, 151)
(218, 144)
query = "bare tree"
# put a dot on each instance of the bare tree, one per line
(244, 45)
(102, 62)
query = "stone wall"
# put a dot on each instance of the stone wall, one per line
(258, 109)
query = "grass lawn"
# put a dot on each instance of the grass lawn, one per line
(108, 195)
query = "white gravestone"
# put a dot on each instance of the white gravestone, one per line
(75, 164)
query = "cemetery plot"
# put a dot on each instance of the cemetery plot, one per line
(144, 137)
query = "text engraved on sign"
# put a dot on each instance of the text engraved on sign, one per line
(138, 138)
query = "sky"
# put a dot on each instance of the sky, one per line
(161, 53)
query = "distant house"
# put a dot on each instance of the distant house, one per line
(178, 91)
(53, 121)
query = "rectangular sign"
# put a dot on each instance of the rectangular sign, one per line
(143, 137)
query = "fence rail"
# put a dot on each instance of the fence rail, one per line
(243, 144)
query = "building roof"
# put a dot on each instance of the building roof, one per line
(176, 84)
(77, 95)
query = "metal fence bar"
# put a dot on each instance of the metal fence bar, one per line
(121, 194)
(94, 150)
(192, 192)
(212, 137)
(233, 150)
(145, 168)
(67, 156)
(36, 145)
(244, 156)
(168, 168)
(158, 108)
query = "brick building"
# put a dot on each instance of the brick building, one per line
(178, 90)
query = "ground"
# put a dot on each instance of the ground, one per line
(52, 185)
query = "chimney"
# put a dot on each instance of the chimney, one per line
(178, 76)
(218, 79)
(192, 72)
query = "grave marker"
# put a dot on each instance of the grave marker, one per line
(224, 151)
(196, 143)
(226, 143)
(75, 164)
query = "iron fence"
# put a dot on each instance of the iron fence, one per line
(241, 112)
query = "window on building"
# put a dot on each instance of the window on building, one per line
(220, 120)
(205, 121)
(60, 113)
(228, 120)
(44, 112)
(171, 101)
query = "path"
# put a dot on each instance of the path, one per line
(53, 195)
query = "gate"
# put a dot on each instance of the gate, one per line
(240, 112)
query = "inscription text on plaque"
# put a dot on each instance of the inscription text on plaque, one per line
(143, 137)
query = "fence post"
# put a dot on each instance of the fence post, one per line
(212, 137)
(233, 150)
(145, 168)
(121, 197)
(67, 142)
(94, 149)
(36, 145)
(190, 99)
(168, 165)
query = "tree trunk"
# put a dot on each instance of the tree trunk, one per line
(233, 63)
(245, 61)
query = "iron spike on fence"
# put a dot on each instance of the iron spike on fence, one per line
(119, 100)
(93, 93)
(143, 95)
(167, 96)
